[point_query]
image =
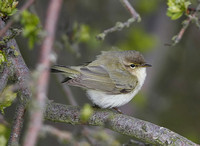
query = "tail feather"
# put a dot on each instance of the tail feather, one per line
(67, 71)
(66, 79)
(55, 70)
(64, 69)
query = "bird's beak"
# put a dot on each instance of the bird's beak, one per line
(145, 65)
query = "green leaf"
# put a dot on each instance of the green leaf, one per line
(31, 27)
(2, 57)
(3, 140)
(84, 33)
(8, 7)
(4, 134)
(175, 15)
(176, 8)
(134, 39)
(6, 98)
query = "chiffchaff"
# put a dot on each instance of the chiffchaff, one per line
(111, 80)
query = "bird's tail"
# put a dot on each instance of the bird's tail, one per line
(68, 71)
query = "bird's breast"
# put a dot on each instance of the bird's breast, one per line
(140, 73)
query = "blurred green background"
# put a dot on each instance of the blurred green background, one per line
(170, 96)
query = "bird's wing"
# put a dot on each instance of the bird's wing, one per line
(98, 78)
(123, 80)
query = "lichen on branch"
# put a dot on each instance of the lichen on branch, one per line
(130, 126)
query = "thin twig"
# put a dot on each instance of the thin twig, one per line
(191, 18)
(17, 126)
(36, 114)
(134, 14)
(61, 135)
(120, 25)
(86, 133)
(11, 21)
(178, 37)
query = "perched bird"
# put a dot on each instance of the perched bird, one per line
(111, 80)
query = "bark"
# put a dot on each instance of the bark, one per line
(130, 126)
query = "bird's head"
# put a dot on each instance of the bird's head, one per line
(133, 61)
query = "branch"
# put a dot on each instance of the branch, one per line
(19, 68)
(123, 124)
(4, 78)
(36, 112)
(179, 36)
(17, 125)
(191, 18)
(134, 14)
(120, 25)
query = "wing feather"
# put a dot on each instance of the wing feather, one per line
(100, 78)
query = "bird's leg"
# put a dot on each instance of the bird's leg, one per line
(114, 108)
(117, 110)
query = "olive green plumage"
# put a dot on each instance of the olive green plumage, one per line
(108, 73)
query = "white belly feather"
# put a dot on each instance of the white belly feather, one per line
(109, 101)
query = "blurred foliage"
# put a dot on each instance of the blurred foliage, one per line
(139, 40)
(4, 135)
(176, 8)
(31, 27)
(91, 42)
(140, 100)
(2, 57)
(86, 113)
(78, 35)
(84, 143)
(97, 136)
(144, 6)
(6, 98)
(103, 138)
(8, 7)
(83, 35)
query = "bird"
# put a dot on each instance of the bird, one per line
(111, 80)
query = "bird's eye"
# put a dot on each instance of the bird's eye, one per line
(132, 65)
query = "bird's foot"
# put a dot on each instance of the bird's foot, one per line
(114, 108)
(117, 110)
